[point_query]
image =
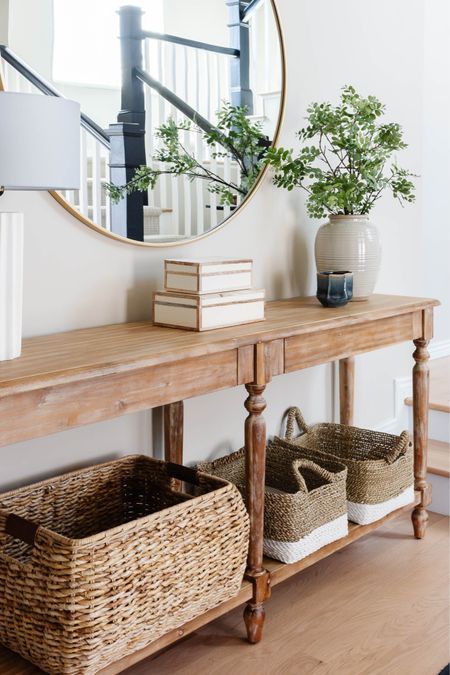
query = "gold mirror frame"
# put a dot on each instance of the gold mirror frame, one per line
(87, 221)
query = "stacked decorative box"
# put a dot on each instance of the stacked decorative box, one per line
(202, 294)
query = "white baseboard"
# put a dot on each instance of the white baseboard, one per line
(439, 349)
(403, 389)
(399, 420)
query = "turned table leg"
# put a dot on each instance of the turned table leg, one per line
(255, 455)
(346, 389)
(421, 376)
(173, 434)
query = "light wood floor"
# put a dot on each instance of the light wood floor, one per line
(378, 607)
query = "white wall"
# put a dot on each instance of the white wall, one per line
(75, 277)
(32, 40)
(4, 22)
(202, 20)
(435, 170)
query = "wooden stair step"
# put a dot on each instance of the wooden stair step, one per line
(439, 458)
(439, 385)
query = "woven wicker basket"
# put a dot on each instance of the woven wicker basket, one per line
(119, 559)
(380, 475)
(305, 504)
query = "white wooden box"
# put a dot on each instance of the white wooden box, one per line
(207, 275)
(205, 312)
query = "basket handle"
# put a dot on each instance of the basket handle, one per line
(318, 469)
(399, 449)
(21, 528)
(183, 473)
(294, 415)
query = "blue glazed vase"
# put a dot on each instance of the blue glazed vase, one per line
(334, 289)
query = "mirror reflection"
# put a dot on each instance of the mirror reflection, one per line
(180, 101)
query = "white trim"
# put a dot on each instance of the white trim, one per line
(363, 514)
(291, 551)
(400, 420)
(439, 350)
(402, 390)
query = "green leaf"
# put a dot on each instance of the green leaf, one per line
(347, 168)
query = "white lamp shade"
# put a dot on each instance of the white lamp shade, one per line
(39, 142)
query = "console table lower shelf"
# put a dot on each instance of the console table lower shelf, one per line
(11, 664)
(70, 379)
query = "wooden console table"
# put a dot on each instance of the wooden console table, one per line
(69, 379)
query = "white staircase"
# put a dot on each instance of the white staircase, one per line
(178, 207)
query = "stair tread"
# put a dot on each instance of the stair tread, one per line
(439, 458)
(163, 209)
(439, 385)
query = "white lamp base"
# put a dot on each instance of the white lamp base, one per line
(11, 285)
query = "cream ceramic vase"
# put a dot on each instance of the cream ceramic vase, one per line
(350, 243)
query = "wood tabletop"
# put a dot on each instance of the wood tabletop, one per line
(91, 352)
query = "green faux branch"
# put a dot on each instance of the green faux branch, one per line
(235, 136)
(346, 170)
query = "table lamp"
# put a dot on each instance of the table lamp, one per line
(39, 150)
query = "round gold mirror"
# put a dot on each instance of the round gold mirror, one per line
(180, 101)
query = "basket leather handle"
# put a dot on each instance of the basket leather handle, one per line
(295, 415)
(21, 528)
(183, 473)
(399, 449)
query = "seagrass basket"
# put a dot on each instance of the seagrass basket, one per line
(98, 563)
(380, 475)
(304, 504)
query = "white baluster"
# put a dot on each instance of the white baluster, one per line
(224, 84)
(208, 86)
(187, 185)
(212, 195)
(216, 76)
(173, 112)
(227, 178)
(15, 80)
(83, 193)
(163, 183)
(268, 40)
(149, 126)
(196, 82)
(96, 184)
(199, 184)
(106, 200)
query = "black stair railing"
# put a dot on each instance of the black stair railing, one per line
(249, 8)
(49, 90)
(125, 139)
(128, 134)
(241, 94)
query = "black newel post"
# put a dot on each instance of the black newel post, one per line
(128, 135)
(241, 93)
(127, 153)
